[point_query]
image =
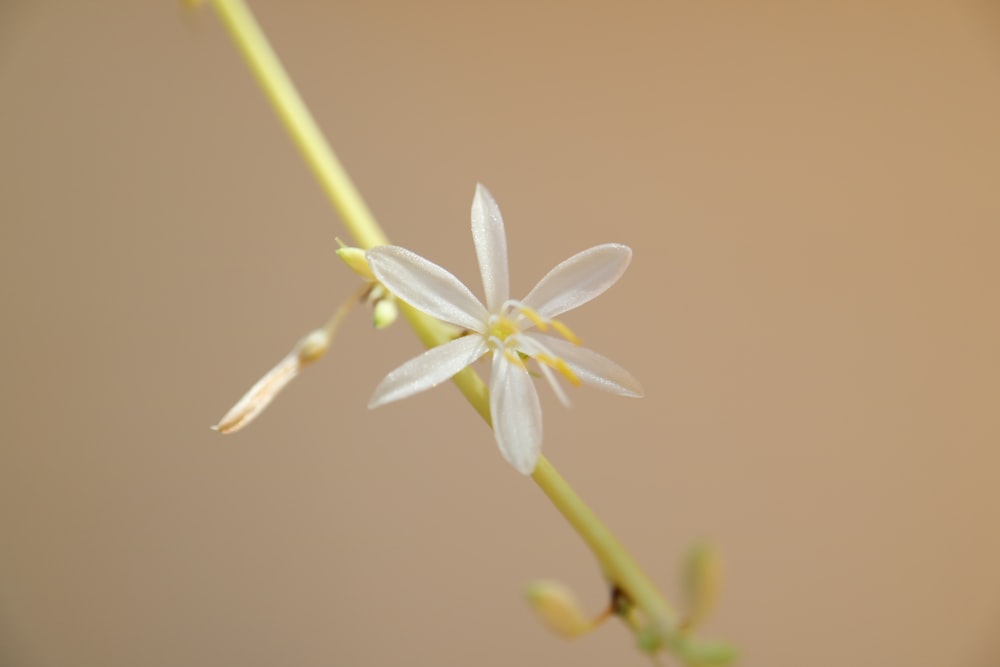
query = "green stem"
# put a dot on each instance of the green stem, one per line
(299, 122)
(617, 564)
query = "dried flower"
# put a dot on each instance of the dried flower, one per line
(308, 350)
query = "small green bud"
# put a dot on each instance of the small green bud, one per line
(385, 312)
(708, 654)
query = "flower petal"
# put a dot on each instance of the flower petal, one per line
(592, 368)
(516, 414)
(427, 287)
(428, 370)
(491, 248)
(579, 279)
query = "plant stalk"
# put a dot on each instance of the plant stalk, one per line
(616, 563)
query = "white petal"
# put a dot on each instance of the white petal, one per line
(491, 248)
(516, 414)
(592, 368)
(428, 370)
(426, 286)
(579, 279)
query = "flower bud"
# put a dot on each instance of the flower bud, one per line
(558, 609)
(702, 579)
(385, 312)
(355, 259)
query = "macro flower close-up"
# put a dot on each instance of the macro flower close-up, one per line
(513, 331)
(227, 226)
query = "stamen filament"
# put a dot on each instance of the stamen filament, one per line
(532, 315)
(565, 332)
(513, 358)
(560, 366)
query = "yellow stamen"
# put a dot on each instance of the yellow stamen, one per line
(534, 317)
(560, 366)
(565, 332)
(513, 358)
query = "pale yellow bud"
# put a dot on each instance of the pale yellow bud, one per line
(355, 259)
(702, 580)
(558, 609)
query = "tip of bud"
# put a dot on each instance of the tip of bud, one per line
(355, 259)
(558, 609)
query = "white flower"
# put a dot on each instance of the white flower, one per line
(504, 327)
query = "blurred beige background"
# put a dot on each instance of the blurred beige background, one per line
(812, 194)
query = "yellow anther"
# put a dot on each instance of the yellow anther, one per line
(560, 366)
(534, 317)
(565, 331)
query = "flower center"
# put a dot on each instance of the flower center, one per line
(504, 326)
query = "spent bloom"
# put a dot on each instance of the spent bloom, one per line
(512, 331)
